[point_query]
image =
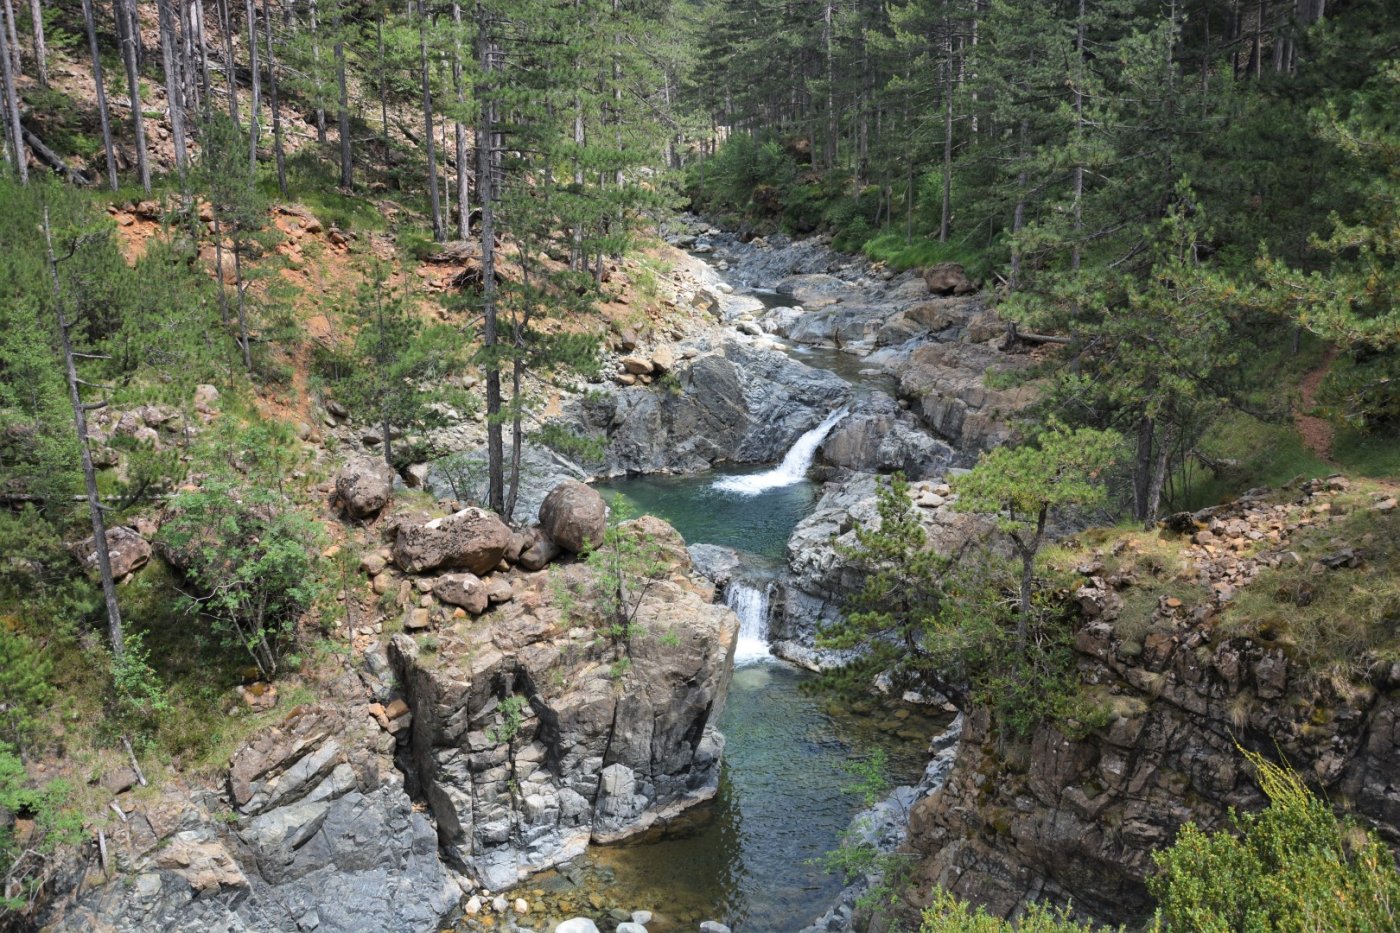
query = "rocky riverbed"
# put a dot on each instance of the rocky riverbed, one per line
(493, 736)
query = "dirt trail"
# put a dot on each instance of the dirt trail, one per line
(1317, 433)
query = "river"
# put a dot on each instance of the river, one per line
(753, 858)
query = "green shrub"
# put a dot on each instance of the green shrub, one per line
(1292, 867)
(947, 914)
(25, 689)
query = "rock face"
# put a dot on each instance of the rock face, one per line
(472, 539)
(574, 516)
(324, 838)
(1077, 818)
(364, 487)
(126, 549)
(532, 736)
(879, 438)
(737, 401)
(819, 575)
(948, 380)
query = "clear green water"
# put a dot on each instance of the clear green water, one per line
(759, 524)
(783, 802)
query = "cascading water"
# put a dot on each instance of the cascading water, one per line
(751, 604)
(794, 467)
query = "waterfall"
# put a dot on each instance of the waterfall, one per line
(794, 467)
(750, 604)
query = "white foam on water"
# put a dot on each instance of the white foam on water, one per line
(751, 605)
(792, 470)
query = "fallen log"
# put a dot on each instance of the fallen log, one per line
(54, 160)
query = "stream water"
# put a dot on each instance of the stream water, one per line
(751, 858)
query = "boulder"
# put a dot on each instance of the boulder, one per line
(205, 396)
(636, 365)
(948, 278)
(364, 486)
(663, 360)
(126, 549)
(574, 516)
(539, 552)
(463, 589)
(472, 539)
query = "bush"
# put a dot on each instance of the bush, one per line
(24, 685)
(252, 562)
(1292, 867)
(947, 914)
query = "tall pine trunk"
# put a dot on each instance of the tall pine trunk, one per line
(41, 51)
(99, 525)
(255, 77)
(316, 67)
(230, 66)
(1078, 137)
(347, 166)
(14, 132)
(434, 198)
(459, 128)
(102, 114)
(11, 29)
(272, 100)
(174, 88)
(133, 83)
(485, 195)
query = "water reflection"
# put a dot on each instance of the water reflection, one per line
(753, 862)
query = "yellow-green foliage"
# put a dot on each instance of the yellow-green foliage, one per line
(947, 914)
(1292, 867)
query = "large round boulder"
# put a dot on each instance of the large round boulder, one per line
(364, 486)
(472, 539)
(574, 516)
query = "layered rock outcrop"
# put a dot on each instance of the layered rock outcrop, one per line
(321, 835)
(734, 400)
(542, 726)
(1076, 818)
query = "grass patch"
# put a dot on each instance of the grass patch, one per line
(899, 253)
(314, 182)
(1375, 455)
(1248, 453)
(1334, 623)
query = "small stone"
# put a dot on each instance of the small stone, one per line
(499, 904)
(1386, 505)
(119, 781)
(627, 926)
(1172, 603)
(473, 905)
(383, 583)
(418, 619)
(711, 926)
(577, 925)
(642, 917)
(520, 906)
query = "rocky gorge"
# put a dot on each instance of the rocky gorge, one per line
(489, 725)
